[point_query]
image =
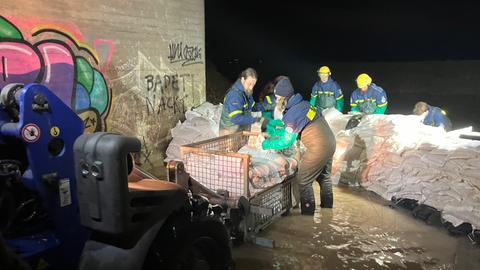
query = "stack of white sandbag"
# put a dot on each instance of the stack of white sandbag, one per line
(336, 120)
(268, 168)
(201, 123)
(397, 156)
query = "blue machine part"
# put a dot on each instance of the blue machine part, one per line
(48, 128)
(35, 244)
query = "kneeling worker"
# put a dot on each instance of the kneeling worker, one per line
(301, 119)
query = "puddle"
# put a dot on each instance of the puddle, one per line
(360, 232)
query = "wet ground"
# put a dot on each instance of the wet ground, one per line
(361, 232)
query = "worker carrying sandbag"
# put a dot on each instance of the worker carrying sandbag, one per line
(300, 119)
(326, 93)
(432, 116)
(239, 109)
(368, 98)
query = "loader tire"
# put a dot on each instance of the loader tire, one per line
(201, 245)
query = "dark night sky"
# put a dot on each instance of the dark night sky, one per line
(294, 38)
(340, 31)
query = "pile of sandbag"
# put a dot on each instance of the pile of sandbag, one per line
(225, 172)
(396, 156)
(266, 168)
(200, 124)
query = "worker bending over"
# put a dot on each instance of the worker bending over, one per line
(432, 116)
(302, 120)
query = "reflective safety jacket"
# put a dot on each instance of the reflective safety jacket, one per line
(438, 118)
(237, 108)
(269, 103)
(268, 106)
(373, 101)
(327, 95)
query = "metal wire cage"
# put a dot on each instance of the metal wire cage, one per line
(271, 202)
(216, 164)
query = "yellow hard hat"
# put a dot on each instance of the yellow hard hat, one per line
(363, 80)
(324, 70)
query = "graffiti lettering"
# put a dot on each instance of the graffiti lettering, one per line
(162, 83)
(187, 55)
(92, 120)
(89, 122)
(157, 105)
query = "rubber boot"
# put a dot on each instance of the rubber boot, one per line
(307, 207)
(326, 200)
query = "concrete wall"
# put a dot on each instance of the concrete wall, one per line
(129, 66)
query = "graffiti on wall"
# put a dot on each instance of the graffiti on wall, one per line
(157, 85)
(55, 56)
(154, 102)
(185, 54)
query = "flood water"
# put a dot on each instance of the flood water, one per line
(361, 232)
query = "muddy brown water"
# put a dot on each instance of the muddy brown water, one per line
(360, 232)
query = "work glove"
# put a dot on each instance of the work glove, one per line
(275, 127)
(284, 141)
(275, 132)
(276, 123)
(380, 110)
(267, 114)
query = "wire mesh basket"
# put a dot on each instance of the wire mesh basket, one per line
(216, 165)
(271, 202)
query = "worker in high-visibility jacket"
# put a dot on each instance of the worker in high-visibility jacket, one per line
(368, 98)
(432, 116)
(326, 93)
(300, 119)
(239, 109)
(267, 99)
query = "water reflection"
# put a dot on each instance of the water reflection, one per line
(360, 232)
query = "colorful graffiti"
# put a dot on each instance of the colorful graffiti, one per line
(56, 57)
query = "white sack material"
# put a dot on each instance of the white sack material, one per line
(267, 168)
(397, 156)
(201, 123)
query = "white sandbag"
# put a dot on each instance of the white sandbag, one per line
(201, 123)
(403, 158)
